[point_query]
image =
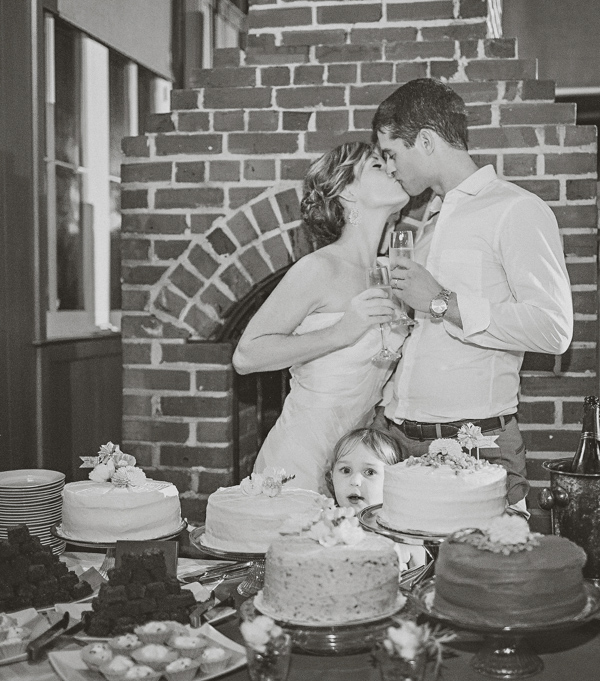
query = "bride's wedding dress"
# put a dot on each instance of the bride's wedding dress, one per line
(329, 396)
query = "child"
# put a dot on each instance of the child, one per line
(356, 478)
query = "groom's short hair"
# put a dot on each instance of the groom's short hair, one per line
(423, 103)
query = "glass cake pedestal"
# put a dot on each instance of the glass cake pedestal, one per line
(505, 653)
(369, 520)
(255, 578)
(109, 558)
(340, 638)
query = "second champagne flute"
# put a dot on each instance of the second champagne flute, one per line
(379, 277)
(401, 245)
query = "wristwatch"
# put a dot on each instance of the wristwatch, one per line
(439, 305)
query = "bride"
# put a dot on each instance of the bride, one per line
(322, 321)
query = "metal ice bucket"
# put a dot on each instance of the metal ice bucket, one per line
(574, 502)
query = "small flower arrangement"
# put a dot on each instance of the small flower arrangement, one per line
(329, 525)
(270, 482)
(268, 648)
(506, 534)
(448, 452)
(113, 465)
(408, 648)
(261, 633)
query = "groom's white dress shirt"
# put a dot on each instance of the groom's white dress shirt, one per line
(498, 247)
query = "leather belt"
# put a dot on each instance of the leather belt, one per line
(416, 430)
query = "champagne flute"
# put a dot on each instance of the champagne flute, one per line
(401, 245)
(379, 277)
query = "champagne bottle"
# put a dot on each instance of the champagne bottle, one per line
(587, 456)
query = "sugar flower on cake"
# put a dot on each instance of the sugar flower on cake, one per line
(329, 525)
(448, 452)
(270, 482)
(113, 465)
(471, 437)
(506, 534)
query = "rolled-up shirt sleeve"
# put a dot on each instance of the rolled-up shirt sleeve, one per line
(539, 315)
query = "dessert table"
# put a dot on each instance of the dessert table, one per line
(570, 654)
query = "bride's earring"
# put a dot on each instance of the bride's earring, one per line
(354, 216)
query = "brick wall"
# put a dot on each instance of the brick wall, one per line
(211, 207)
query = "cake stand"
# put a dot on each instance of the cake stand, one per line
(109, 558)
(505, 653)
(369, 519)
(329, 639)
(254, 581)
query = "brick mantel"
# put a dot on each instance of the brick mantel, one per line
(211, 194)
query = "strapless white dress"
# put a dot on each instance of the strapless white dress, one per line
(328, 397)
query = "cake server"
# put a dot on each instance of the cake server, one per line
(36, 646)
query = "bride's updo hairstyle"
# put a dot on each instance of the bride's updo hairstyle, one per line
(321, 208)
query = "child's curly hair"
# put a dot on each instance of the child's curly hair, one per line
(321, 208)
(381, 444)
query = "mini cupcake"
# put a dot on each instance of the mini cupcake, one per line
(182, 669)
(95, 655)
(141, 671)
(188, 646)
(125, 643)
(153, 632)
(214, 659)
(154, 655)
(15, 642)
(116, 669)
(177, 629)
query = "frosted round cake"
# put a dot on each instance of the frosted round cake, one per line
(101, 512)
(442, 492)
(118, 502)
(334, 573)
(246, 519)
(492, 579)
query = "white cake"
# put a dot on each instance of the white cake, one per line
(332, 571)
(438, 494)
(102, 512)
(240, 520)
(307, 582)
(118, 502)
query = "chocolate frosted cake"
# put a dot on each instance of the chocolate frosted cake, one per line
(507, 576)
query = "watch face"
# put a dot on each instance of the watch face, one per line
(439, 305)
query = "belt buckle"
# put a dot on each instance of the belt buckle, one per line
(420, 428)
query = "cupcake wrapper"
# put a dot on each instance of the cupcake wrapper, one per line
(152, 677)
(113, 677)
(182, 675)
(194, 653)
(214, 667)
(158, 637)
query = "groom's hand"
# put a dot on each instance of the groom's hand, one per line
(413, 284)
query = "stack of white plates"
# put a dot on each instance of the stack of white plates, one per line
(32, 497)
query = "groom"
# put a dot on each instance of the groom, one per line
(488, 282)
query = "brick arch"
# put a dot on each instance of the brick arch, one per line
(219, 268)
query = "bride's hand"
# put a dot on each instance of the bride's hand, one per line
(365, 310)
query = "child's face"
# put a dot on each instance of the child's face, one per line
(358, 478)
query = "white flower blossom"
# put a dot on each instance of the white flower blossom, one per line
(271, 487)
(260, 631)
(252, 485)
(103, 472)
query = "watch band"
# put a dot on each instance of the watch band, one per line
(444, 296)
